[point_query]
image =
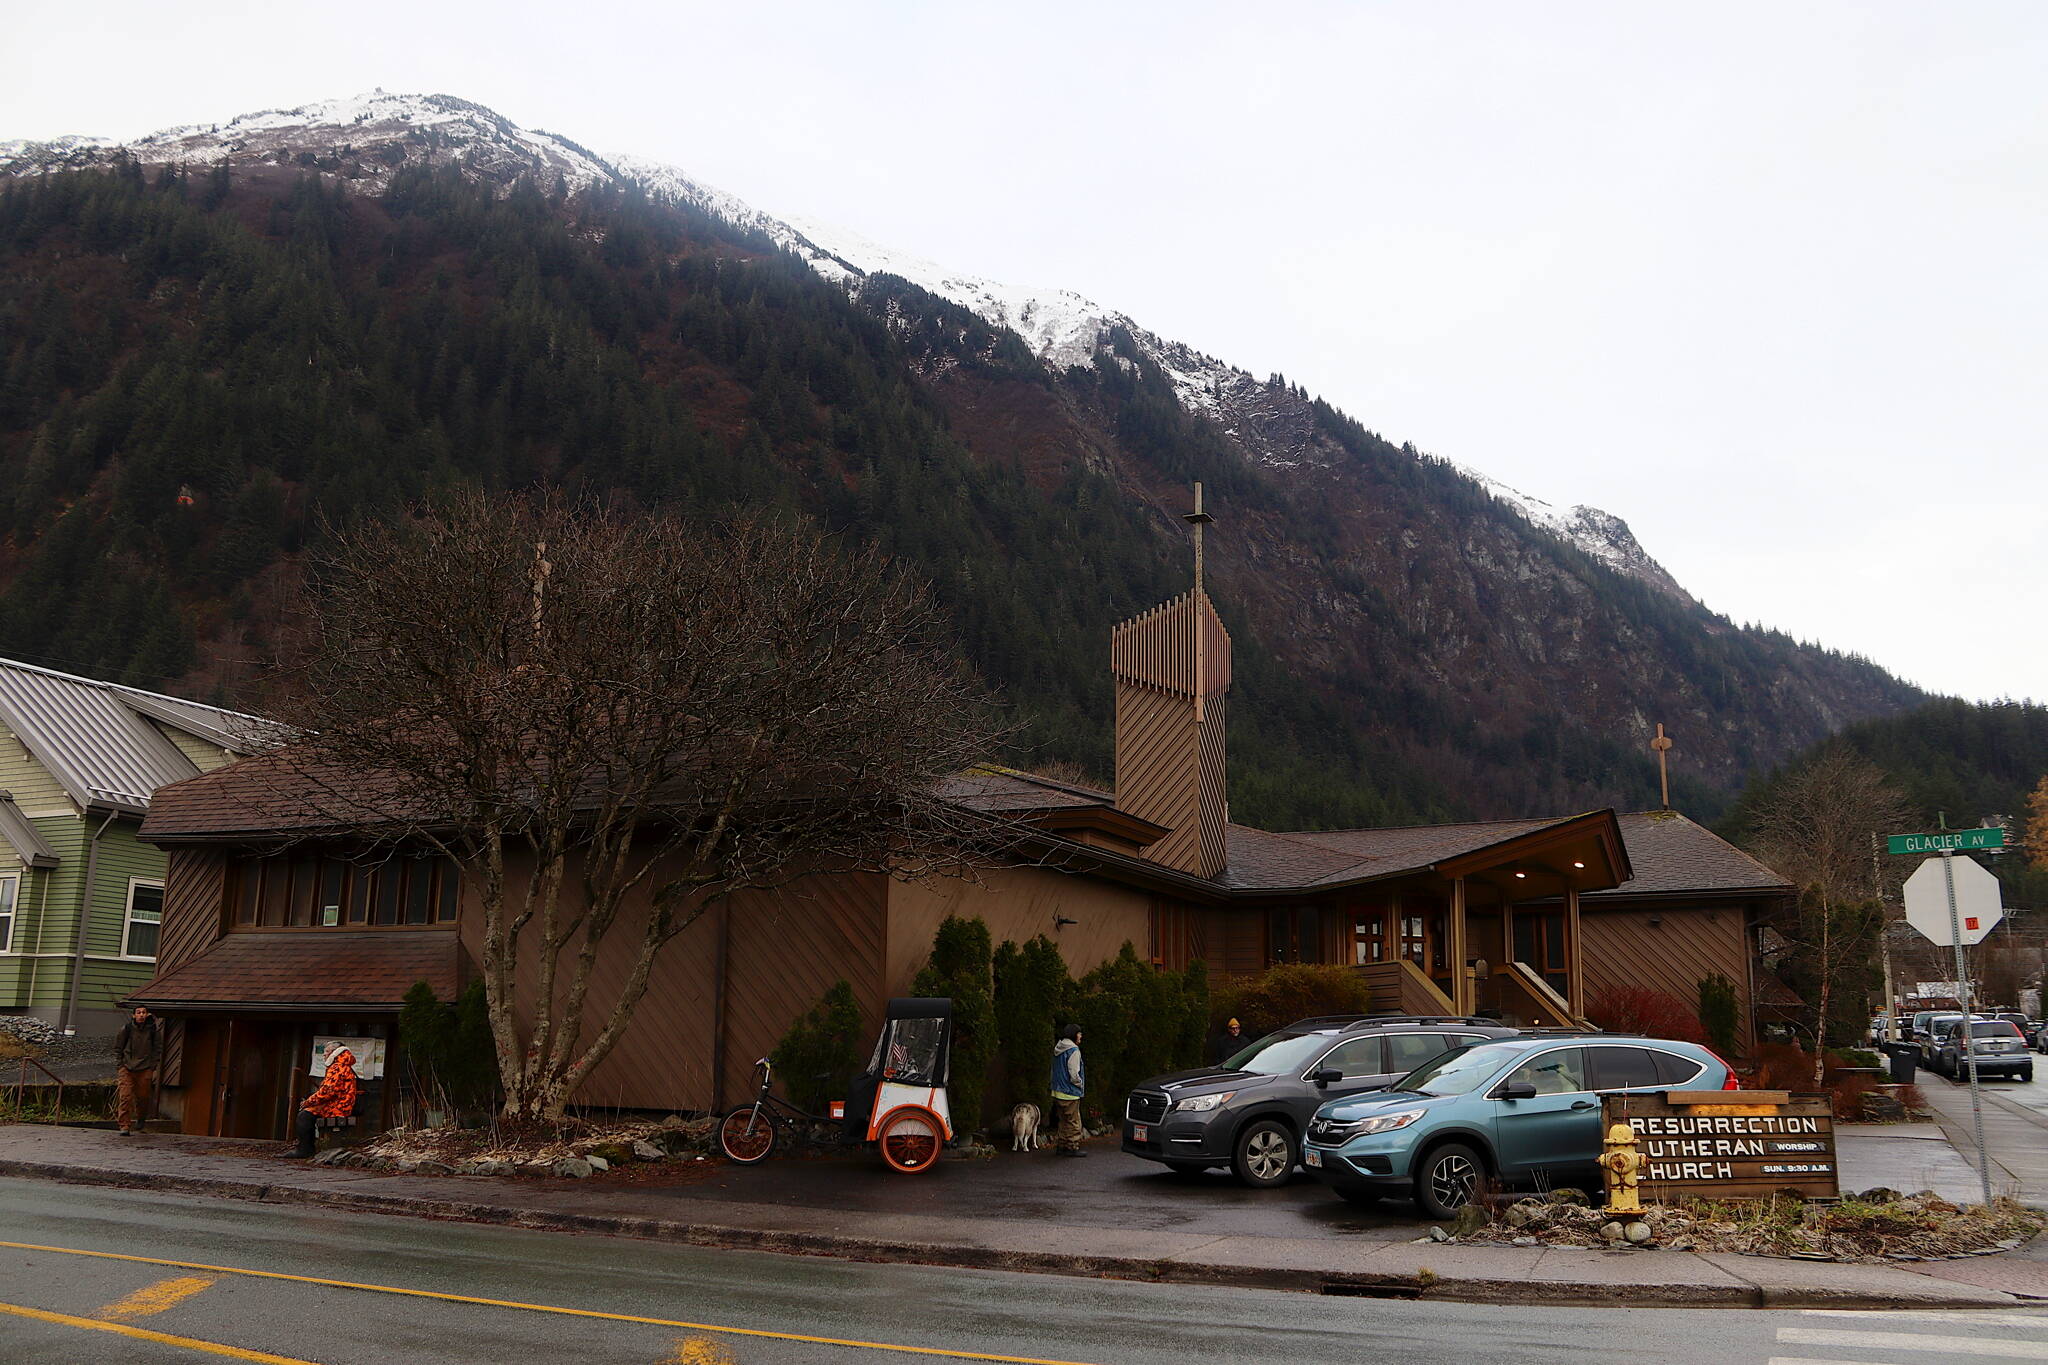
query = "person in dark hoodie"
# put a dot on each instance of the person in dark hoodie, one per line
(138, 1051)
(1069, 1084)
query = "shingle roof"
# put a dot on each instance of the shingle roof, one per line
(1672, 854)
(99, 739)
(322, 968)
(264, 795)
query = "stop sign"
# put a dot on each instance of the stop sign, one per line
(1977, 907)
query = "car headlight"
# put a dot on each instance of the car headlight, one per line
(1200, 1104)
(1384, 1123)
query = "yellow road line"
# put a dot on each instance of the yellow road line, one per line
(144, 1334)
(542, 1308)
(155, 1298)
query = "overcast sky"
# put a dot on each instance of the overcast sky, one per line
(1765, 280)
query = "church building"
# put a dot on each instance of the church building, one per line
(272, 937)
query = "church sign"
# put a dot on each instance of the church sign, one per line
(1729, 1144)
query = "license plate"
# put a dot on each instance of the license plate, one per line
(1139, 1132)
(1311, 1157)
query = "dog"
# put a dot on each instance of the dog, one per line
(1024, 1127)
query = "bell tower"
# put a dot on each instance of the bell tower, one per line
(1172, 671)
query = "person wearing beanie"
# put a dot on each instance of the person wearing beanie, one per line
(1069, 1084)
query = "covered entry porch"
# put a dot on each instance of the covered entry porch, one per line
(1492, 929)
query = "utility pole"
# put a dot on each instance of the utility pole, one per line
(1884, 939)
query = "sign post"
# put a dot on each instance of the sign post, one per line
(1932, 906)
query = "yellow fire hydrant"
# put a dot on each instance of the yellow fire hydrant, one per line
(1623, 1165)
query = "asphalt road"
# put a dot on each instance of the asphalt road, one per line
(283, 1283)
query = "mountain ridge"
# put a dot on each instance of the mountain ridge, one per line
(1062, 328)
(354, 303)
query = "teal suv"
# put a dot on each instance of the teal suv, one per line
(1515, 1111)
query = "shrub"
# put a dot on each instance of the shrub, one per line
(1282, 994)
(1641, 1010)
(1720, 1013)
(1193, 1041)
(1031, 988)
(449, 1049)
(959, 967)
(1787, 1066)
(827, 1042)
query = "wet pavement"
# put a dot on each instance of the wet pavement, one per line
(1105, 1189)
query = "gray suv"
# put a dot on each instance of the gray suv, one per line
(1249, 1111)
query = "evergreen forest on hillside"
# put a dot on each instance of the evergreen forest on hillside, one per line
(197, 368)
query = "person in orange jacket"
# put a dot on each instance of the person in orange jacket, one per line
(335, 1099)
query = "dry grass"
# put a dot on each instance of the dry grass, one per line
(1875, 1229)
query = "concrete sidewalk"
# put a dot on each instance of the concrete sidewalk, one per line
(958, 1215)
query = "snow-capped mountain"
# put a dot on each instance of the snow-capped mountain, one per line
(364, 138)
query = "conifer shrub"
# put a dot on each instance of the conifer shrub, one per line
(1031, 988)
(448, 1049)
(1720, 1013)
(960, 967)
(818, 1057)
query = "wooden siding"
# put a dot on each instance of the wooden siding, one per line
(1017, 904)
(1623, 949)
(195, 898)
(784, 951)
(1172, 669)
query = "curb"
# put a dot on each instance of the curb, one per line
(1420, 1284)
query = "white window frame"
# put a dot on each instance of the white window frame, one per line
(7, 948)
(128, 920)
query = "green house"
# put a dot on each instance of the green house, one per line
(80, 896)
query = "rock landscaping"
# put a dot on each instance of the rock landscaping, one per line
(572, 1151)
(1874, 1227)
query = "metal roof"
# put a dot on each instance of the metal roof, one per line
(100, 740)
(24, 838)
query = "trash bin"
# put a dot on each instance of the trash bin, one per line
(1903, 1063)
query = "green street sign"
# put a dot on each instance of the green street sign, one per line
(1947, 841)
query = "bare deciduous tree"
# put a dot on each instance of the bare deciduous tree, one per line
(610, 722)
(1814, 826)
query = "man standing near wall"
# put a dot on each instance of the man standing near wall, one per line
(138, 1051)
(1069, 1084)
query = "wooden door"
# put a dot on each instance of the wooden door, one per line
(253, 1096)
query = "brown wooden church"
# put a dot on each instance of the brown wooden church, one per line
(271, 939)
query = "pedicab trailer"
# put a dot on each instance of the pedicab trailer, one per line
(898, 1103)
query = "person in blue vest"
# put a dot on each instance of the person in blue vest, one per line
(1069, 1084)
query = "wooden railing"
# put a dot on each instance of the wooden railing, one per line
(1404, 988)
(1543, 1001)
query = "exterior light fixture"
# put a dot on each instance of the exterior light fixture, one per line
(1060, 921)
(1580, 866)
(1521, 874)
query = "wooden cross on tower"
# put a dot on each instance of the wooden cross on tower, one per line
(1662, 745)
(1198, 519)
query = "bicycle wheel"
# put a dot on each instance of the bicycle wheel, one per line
(747, 1135)
(909, 1138)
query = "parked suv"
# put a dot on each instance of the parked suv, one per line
(1518, 1111)
(1927, 1026)
(2001, 1050)
(1248, 1111)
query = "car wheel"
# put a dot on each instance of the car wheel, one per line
(1264, 1154)
(1186, 1167)
(1353, 1194)
(1445, 1181)
(2026, 1076)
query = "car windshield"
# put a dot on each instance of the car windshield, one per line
(1455, 1073)
(1278, 1052)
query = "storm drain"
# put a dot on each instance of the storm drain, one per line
(1352, 1289)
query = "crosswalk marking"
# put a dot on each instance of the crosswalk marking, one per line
(1913, 1341)
(1951, 1316)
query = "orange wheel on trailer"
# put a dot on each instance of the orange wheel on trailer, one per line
(910, 1136)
